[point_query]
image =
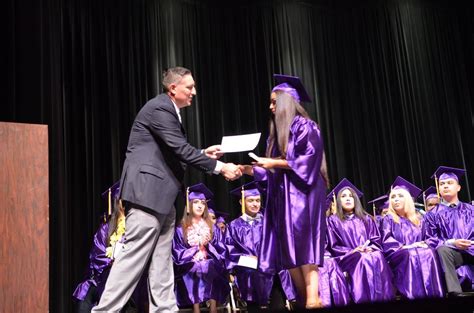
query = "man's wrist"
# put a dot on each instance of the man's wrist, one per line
(218, 168)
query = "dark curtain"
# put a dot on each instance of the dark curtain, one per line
(391, 81)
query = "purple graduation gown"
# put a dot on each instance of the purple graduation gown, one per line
(99, 268)
(333, 287)
(199, 281)
(244, 239)
(417, 271)
(99, 264)
(294, 222)
(444, 223)
(370, 275)
(451, 223)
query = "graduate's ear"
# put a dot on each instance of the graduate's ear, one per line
(459, 187)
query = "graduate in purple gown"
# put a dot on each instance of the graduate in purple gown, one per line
(199, 255)
(243, 239)
(430, 198)
(108, 237)
(354, 238)
(294, 219)
(379, 209)
(451, 228)
(333, 287)
(416, 269)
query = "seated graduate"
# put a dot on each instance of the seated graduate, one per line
(243, 239)
(107, 243)
(430, 198)
(416, 269)
(451, 229)
(379, 208)
(218, 218)
(353, 237)
(199, 255)
(333, 287)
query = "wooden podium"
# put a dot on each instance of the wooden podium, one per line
(24, 218)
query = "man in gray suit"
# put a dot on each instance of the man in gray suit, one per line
(156, 159)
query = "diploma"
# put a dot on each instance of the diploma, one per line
(247, 261)
(240, 143)
(256, 158)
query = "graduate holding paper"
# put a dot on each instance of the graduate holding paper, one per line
(243, 241)
(451, 228)
(294, 221)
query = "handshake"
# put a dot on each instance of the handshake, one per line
(230, 171)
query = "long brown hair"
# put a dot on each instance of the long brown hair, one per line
(188, 221)
(286, 110)
(279, 128)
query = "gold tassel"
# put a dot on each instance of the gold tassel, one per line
(373, 208)
(437, 187)
(424, 199)
(333, 204)
(110, 201)
(187, 201)
(243, 200)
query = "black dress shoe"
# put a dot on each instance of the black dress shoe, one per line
(460, 294)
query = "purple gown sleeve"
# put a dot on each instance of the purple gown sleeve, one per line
(259, 174)
(98, 262)
(430, 229)
(182, 253)
(304, 151)
(373, 233)
(216, 248)
(389, 243)
(233, 252)
(335, 242)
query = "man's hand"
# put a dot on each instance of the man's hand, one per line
(214, 152)
(231, 171)
(462, 244)
(246, 169)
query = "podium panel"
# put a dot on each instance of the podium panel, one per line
(24, 218)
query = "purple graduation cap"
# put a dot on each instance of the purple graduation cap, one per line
(344, 183)
(113, 192)
(379, 204)
(401, 182)
(244, 191)
(291, 85)
(445, 172)
(198, 191)
(221, 216)
(428, 194)
(250, 189)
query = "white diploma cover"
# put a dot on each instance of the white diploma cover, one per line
(247, 261)
(240, 143)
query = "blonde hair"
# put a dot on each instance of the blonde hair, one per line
(409, 208)
(188, 221)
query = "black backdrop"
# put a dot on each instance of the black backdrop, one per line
(392, 85)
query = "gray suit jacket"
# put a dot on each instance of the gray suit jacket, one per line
(156, 157)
